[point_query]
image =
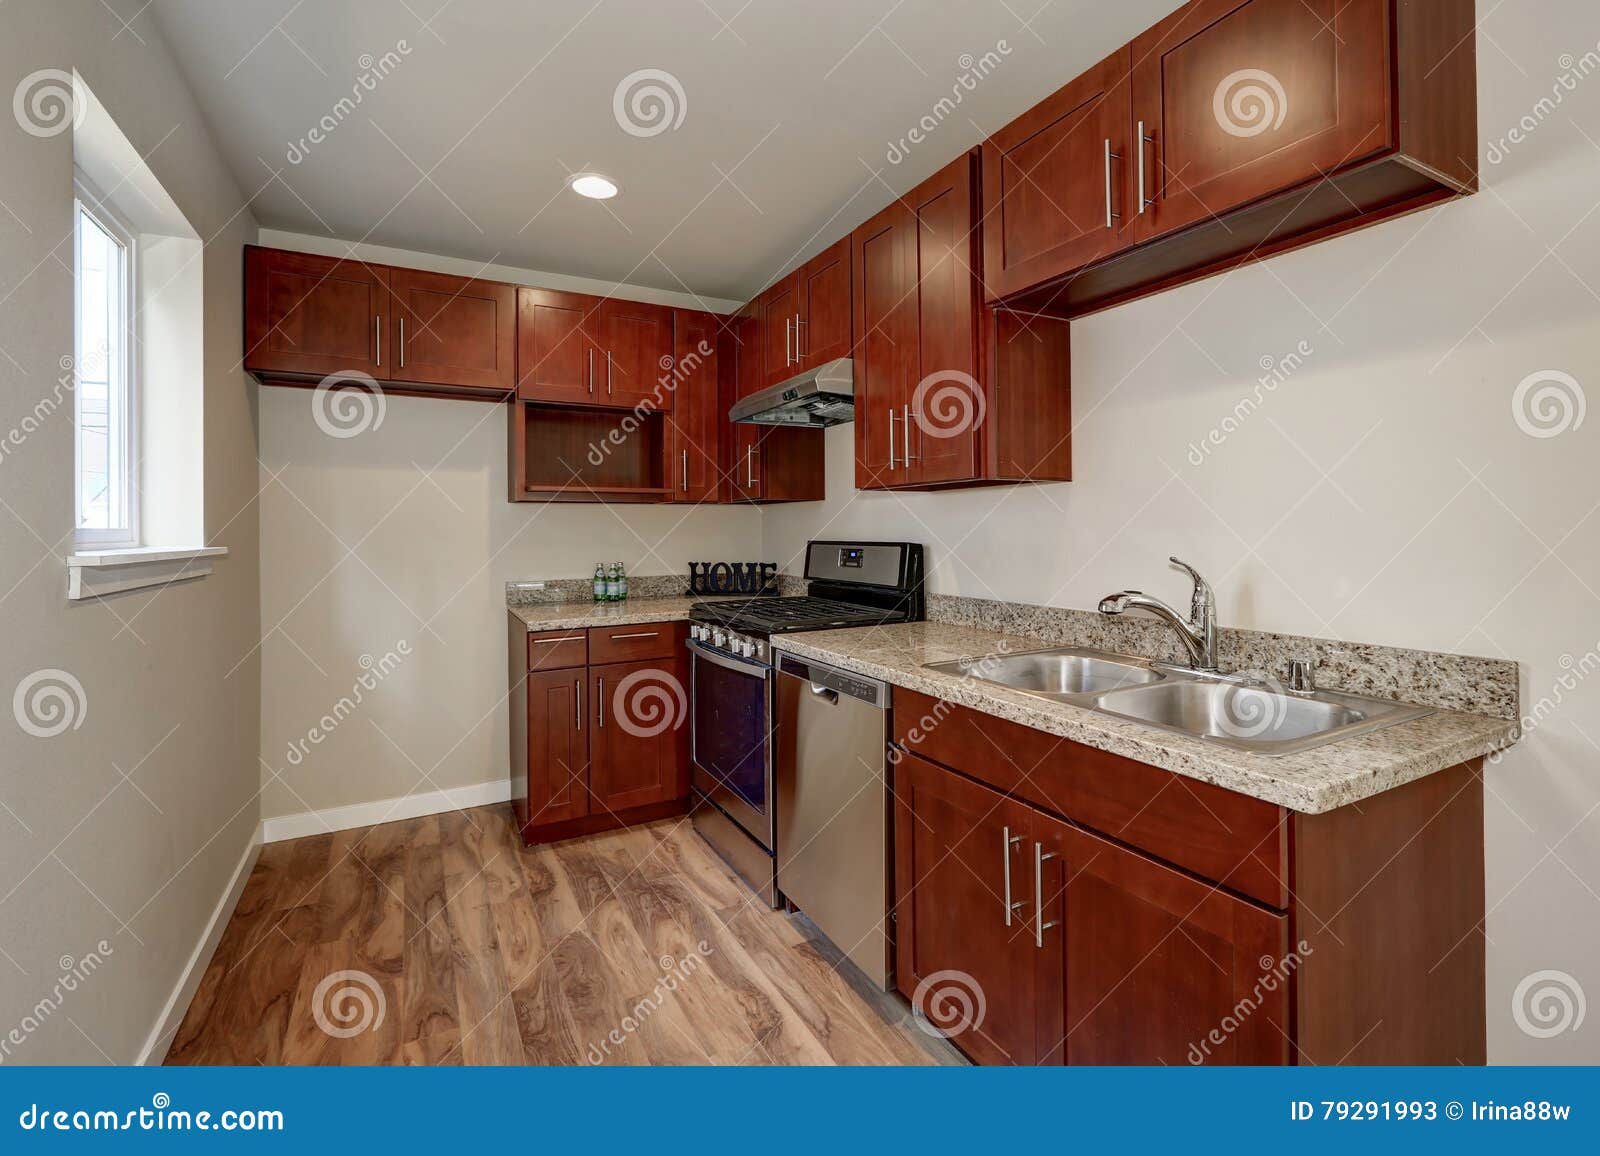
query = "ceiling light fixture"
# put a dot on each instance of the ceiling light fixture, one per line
(593, 186)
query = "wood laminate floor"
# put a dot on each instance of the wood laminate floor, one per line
(442, 940)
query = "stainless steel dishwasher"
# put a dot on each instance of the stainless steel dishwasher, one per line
(832, 806)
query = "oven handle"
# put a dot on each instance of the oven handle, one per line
(727, 662)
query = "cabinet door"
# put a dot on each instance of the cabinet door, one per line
(780, 313)
(1138, 963)
(822, 330)
(556, 346)
(884, 261)
(311, 315)
(637, 339)
(558, 747)
(639, 744)
(743, 441)
(454, 331)
(964, 949)
(944, 413)
(1056, 184)
(1243, 99)
(694, 422)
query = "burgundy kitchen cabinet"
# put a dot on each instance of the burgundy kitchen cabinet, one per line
(637, 343)
(949, 391)
(1152, 921)
(637, 757)
(307, 316)
(823, 322)
(1057, 182)
(779, 309)
(762, 463)
(694, 423)
(1248, 128)
(587, 754)
(557, 346)
(453, 332)
(960, 942)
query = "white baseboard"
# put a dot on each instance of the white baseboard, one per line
(384, 811)
(155, 1048)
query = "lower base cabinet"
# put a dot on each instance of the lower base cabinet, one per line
(597, 744)
(1056, 904)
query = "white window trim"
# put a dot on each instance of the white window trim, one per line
(88, 199)
(95, 573)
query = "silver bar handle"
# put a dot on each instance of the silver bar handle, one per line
(788, 341)
(749, 466)
(1039, 925)
(608, 373)
(1009, 841)
(799, 354)
(377, 337)
(591, 371)
(566, 638)
(577, 703)
(402, 343)
(891, 439)
(686, 471)
(637, 634)
(600, 704)
(1111, 214)
(905, 434)
(1144, 202)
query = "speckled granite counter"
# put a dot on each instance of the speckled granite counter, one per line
(1312, 782)
(582, 615)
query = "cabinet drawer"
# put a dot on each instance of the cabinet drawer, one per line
(1233, 839)
(557, 649)
(633, 643)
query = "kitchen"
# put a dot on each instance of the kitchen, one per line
(920, 776)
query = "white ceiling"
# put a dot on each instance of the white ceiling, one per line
(788, 113)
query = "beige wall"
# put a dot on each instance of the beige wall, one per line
(403, 534)
(171, 685)
(1439, 523)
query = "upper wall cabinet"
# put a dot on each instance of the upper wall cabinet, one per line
(805, 317)
(695, 424)
(1232, 130)
(583, 350)
(309, 316)
(454, 331)
(636, 339)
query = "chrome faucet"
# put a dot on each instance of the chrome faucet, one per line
(1199, 633)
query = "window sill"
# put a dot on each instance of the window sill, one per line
(94, 573)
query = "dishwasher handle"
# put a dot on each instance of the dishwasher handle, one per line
(832, 683)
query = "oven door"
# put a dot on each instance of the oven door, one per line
(731, 738)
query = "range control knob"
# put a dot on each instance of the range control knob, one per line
(745, 647)
(760, 649)
(718, 638)
(697, 632)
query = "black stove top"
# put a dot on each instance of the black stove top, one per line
(768, 616)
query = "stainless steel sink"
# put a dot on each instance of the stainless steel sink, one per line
(1222, 709)
(1055, 673)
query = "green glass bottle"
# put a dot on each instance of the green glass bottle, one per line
(622, 582)
(599, 582)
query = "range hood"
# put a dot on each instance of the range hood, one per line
(817, 398)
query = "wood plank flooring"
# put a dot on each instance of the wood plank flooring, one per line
(443, 940)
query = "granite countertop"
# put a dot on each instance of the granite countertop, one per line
(1311, 782)
(582, 615)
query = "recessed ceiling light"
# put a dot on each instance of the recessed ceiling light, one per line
(592, 185)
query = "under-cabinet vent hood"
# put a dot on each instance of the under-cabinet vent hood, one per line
(819, 397)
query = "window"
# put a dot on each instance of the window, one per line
(105, 360)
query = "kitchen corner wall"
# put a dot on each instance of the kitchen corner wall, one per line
(1371, 440)
(384, 562)
(124, 817)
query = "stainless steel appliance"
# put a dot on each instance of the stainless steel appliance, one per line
(732, 724)
(833, 807)
(817, 398)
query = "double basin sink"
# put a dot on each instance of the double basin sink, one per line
(1227, 710)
